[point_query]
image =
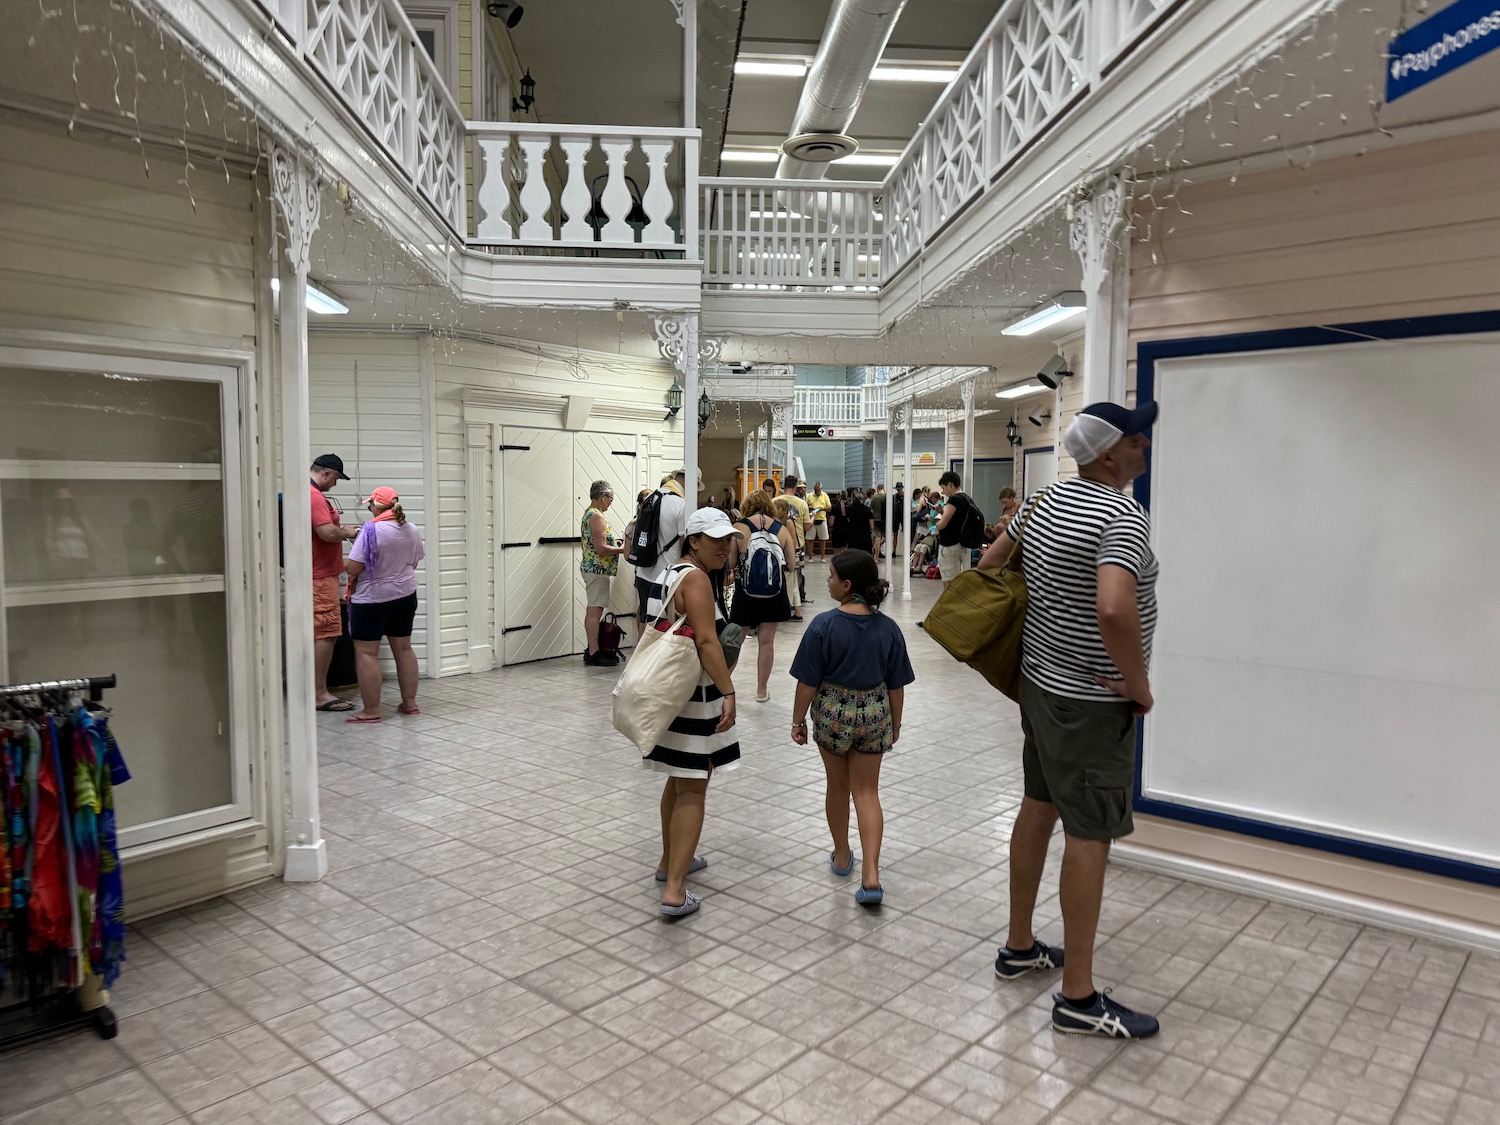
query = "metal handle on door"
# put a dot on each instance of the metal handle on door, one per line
(547, 540)
(522, 543)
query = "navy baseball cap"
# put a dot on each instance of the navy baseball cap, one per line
(330, 461)
(1098, 427)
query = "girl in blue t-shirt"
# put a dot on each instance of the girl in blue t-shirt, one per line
(852, 670)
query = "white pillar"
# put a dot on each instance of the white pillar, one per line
(689, 20)
(907, 412)
(968, 393)
(295, 187)
(789, 423)
(890, 489)
(679, 342)
(1095, 235)
(746, 482)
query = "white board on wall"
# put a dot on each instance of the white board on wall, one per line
(1328, 650)
(1038, 470)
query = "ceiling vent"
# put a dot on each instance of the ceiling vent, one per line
(819, 148)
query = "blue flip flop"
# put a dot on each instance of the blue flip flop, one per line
(841, 872)
(869, 896)
(698, 864)
(689, 906)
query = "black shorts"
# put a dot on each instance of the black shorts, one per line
(370, 621)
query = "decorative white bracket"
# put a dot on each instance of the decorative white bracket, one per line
(296, 186)
(1095, 236)
(677, 340)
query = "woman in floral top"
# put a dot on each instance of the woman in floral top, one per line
(601, 562)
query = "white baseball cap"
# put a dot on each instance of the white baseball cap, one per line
(1097, 428)
(682, 472)
(711, 522)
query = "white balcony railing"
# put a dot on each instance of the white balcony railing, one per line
(761, 234)
(368, 54)
(1037, 58)
(585, 187)
(829, 406)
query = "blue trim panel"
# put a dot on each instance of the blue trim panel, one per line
(1147, 355)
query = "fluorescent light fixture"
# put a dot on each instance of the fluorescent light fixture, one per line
(871, 159)
(752, 155)
(775, 215)
(937, 75)
(1020, 390)
(867, 257)
(317, 301)
(770, 69)
(1060, 308)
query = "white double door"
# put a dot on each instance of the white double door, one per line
(544, 488)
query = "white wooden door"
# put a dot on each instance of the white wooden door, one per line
(538, 545)
(611, 457)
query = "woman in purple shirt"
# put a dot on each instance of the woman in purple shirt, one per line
(382, 570)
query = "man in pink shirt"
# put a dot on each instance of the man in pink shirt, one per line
(328, 538)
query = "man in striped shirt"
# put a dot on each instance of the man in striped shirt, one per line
(1091, 610)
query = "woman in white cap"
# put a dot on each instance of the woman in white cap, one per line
(702, 738)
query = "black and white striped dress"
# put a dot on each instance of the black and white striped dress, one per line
(691, 747)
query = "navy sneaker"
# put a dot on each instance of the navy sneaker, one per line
(1040, 958)
(1107, 1017)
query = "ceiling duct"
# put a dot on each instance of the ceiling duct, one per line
(853, 41)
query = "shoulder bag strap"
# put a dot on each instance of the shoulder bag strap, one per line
(1013, 562)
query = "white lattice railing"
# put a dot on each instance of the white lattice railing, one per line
(368, 54)
(829, 406)
(584, 187)
(1037, 58)
(764, 234)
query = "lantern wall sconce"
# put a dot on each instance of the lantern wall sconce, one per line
(674, 401)
(528, 94)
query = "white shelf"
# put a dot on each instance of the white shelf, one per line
(73, 590)
(14, 469)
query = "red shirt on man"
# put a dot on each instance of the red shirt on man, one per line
(327, 558)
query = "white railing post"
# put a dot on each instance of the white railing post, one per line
(576, 200)
(411, 97)
(656, 199)
(534, 197)
(616, 198)
(687, 214)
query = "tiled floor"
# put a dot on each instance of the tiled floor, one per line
(487, 949)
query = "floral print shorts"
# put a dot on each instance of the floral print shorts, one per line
(845, 719)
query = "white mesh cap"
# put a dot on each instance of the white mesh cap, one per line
(1098, 427)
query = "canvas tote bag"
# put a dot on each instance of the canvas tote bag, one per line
(979, 618)
(659, 678)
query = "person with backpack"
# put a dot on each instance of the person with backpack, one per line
(767, 562)
(655, 539)
(852, 669)
(960, 529)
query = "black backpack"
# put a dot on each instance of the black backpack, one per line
(646, 546)
(971, 534)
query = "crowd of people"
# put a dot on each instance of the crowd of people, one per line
(1090, 575)
(721, 573)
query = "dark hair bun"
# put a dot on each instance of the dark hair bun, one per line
(876, 593)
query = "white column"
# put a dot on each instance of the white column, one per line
(907, 411)
(745, 478)
(789, 422)
(688, 18)
(968, 393)
(890, 488)
(1095, 236)
(762, 452)
(295, 187)
(679, 341)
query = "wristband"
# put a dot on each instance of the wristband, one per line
(725, 694)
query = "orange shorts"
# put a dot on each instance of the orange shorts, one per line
(327, 623)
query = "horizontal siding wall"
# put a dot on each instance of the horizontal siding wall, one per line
(1404, 232)
(93, 245)
(366, 403)
(460, 365)
(88, 236)
(1408, 231)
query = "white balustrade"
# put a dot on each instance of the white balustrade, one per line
(1037, 58)
(873, 402)
(791, 233)
(584, 187)
(368, 54)
(828, 406)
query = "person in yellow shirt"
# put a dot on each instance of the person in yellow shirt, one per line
(818, 503)
(800, 521)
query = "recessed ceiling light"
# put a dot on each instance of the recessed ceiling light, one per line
(870, 159)
(1021, 390)
(1060, 308)
(936, 75)
(317, 300)
(770, 69)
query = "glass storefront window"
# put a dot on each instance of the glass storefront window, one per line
(119, 554)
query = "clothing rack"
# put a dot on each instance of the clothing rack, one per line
(58, 1010)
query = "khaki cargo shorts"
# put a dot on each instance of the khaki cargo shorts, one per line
(1080, 756)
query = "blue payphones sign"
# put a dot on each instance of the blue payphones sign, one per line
(1443, 42)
